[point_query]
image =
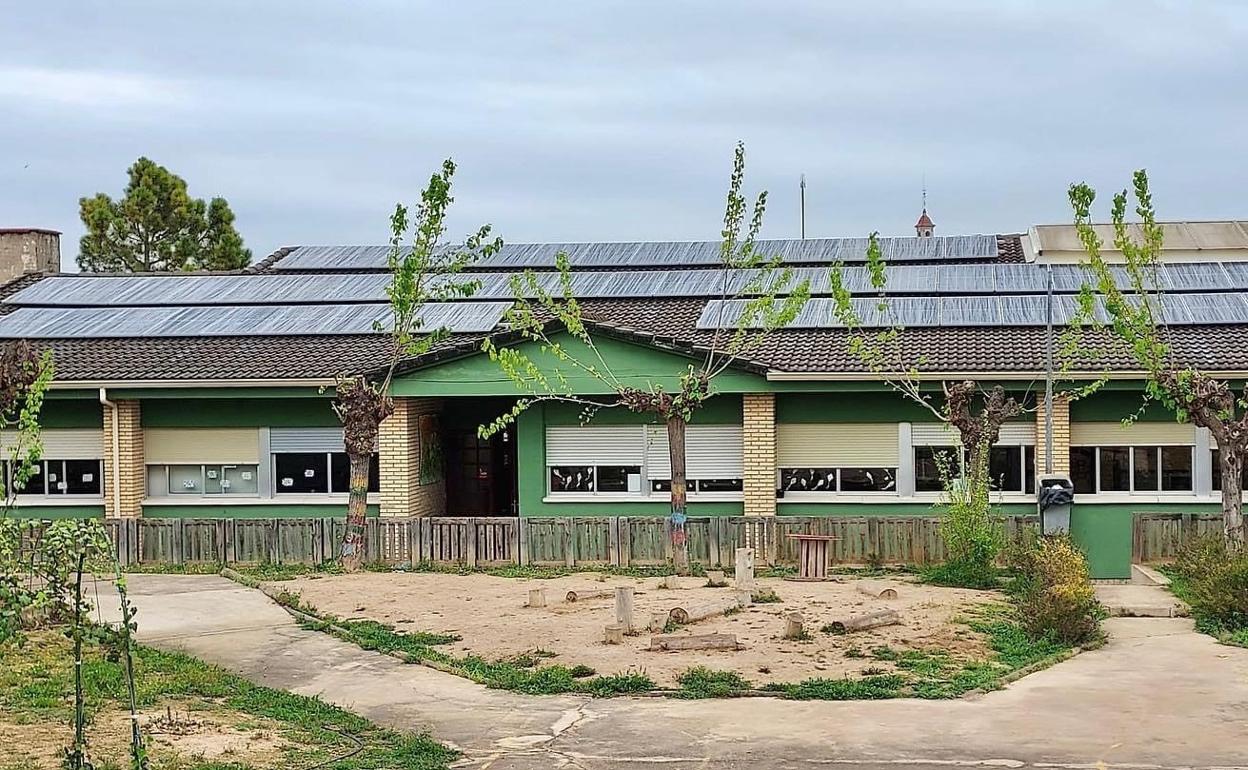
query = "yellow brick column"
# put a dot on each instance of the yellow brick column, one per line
(125, 478)
(403, 491)
(759, 447)
(1061, 435)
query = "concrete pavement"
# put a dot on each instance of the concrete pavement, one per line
(1157, 696)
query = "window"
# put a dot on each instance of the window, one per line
(312, 473)
(930, 465)
(1217, 472)
(1011, 468)
(203, 480)
(59, 477)
(587, 479)
(838, 479)
(1131, 469)
(700, 485)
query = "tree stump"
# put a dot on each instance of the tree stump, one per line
(624, 608)
(793, 626)
(715, 578)
(744, 569)
(613, 634)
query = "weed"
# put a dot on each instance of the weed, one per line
(765, 596)
(852, 652)
(702, 682)
(867, 688)
(1053, 590)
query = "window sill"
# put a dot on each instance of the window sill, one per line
(625, 497)
(56, 500)
(310, 499)
(1146, 497)
(843, 497)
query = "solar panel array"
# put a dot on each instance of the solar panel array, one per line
(658, 254)
(983, 310)
(929, 280)
(246, 321)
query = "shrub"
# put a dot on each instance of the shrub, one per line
(1053, 591)
(1216, 577)
(971, 530)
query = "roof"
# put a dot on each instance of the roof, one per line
(924, 220)
(23, 230)
(96, 324)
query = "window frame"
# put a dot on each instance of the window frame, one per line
(46, 494)
(1131, 450)
(782, 492)
(594, 491)
(203, 493)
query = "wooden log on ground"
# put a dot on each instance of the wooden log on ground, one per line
(695, 612)
(715, 578)
(669, 581)
(744, 569)
(582, 594)
(613, 634)
(793, 626)
(865, 622)
(624, 608)
(668, 642)
(537, 597)
(876, 589)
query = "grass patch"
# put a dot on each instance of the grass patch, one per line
(765, 596)
(702, 682)
(865, 688)
(36, 686)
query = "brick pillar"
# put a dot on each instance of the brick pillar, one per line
(1061, 435)
(759, 444)
(129, 474)
(403, 490)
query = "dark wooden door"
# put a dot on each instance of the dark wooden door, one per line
(481, 475)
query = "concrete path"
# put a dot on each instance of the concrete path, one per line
(1157, 696)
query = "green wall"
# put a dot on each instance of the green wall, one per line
(239, 413)
(67, 413)
(1115, 405)
(58, 511)
(227, 511)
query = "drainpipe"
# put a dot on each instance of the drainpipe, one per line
(116, 439)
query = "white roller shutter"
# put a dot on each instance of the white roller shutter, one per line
(305, 440)
(595, 445)
(1138, 434)
(711, 452)
(837, 445)
(64, 443)
(176, 446)
(941, 434)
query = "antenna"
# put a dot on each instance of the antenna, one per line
(802, 186)
(925, 191)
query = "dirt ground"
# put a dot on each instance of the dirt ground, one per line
(491, 616)
(172, 734)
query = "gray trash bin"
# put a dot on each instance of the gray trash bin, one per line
(1055, 496)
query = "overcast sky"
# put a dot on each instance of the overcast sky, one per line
(615, 120)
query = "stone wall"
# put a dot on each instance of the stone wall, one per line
(24, 251)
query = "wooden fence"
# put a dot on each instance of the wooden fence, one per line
(1159, 537)
(620, 541)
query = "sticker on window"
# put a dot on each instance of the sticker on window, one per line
(87, 478)
(51, 477)
(288, 482)
(212, 474)
(62, 486)
(246, 475)
(188, 484)
(225, 483)
(309, 473)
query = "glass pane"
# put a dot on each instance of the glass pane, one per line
(1115, 469)
(572, 478)
(301, 472)
(928, 461)
(615, 478)
(868, 479)
(808, 479)
(718, 485)
(186, 479)
(1029, 469)
(239, 480)
(1005, 468)
(33, 485)
(1176, 468)
(1083, 469)
(157, 481)
(661, 485)
(54, 471)
(340, 473)
(1146, 475)
(82, 477)
(374, 473)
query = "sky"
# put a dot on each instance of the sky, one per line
(574, 121)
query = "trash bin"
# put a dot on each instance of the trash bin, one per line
(1055, 497)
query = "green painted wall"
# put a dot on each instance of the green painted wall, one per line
(227, 511)
(1114, 405)
(58, 511)
(882, 509)
(178, 394)
(239, 413)
(721, 409)
(66, 413)
(636, 365)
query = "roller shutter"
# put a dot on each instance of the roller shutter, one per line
(595, 445)
(711, 452)
(201, 445)
(940, 434)
(836, 445)
(305, 440)
(65, 444)
(1139, 434)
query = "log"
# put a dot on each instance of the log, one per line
(669, 581)
(582, 594)
(793, 626)
(715, 578)
(537, 597)
(668, 642)
(696, 612)
(613, 634)
(865, 622)
(744, 569)
(876, 589)
(624, 608)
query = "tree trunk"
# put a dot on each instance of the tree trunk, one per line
(357, 509)
(676, 452)
(1231, 460)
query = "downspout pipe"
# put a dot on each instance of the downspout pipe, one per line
(115, 482)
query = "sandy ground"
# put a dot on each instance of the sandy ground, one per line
(201, 735)
(489, 613)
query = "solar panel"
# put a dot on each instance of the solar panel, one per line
(665, 253)
(246, 321)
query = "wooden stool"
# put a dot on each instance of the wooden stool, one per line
(812, 557)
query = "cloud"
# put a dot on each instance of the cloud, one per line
(90, 89)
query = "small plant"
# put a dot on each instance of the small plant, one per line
(1212, 577)
(702, 682)
(1053, 591)
(875, 562)
(765, 596)
(971, 529)
(581, 671)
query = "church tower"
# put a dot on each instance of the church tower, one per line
(924, 227)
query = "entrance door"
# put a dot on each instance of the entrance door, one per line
(481, 474)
